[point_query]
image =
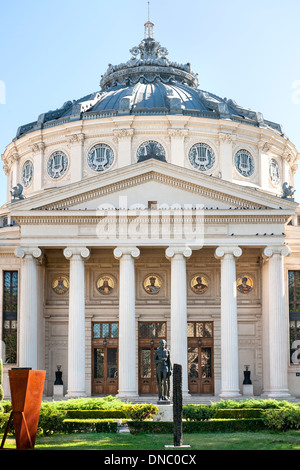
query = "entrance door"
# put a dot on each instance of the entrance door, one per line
(105, 359)
(150, 334)
(200, 357)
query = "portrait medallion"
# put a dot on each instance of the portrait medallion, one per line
(244, 284)
(152, 284)
(105, 284)
(199, 284)
(60, 285)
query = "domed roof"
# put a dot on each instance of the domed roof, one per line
(149, 84)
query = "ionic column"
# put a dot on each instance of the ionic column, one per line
(229, 327)
(277, 322)
(127, 336)
(76, 339)
(178, 347)
(28, 306)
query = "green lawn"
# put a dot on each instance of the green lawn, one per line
(265, 440)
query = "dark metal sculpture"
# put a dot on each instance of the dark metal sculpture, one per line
(288, 191)
(16, 193)
(177, 404)
(58, 376)
(163, 370)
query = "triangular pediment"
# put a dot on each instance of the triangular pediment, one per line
(169, 185)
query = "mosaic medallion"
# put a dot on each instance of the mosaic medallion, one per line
(105, 284)
(60, 285)
(152, 284)
(244, 284)
(199, 284)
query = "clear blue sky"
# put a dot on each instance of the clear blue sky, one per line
(55, 51)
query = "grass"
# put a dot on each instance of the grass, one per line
(264, 440)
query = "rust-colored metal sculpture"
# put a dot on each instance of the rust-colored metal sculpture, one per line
(26, 388)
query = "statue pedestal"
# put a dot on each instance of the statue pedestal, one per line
(248, 390)
(165, 412)
(58, 390)
(164, 402)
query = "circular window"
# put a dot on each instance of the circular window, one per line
(274, 172)
(27, 173)
(244, 163)
(57, 165)
(151, 149)
(100, 157)
(202, 157)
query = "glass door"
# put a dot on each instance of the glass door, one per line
(105, 359)
(150, 334)
(200, 357)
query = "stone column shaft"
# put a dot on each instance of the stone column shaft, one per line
(229, 327)
(28, 307)
(127, 334)
(76, 339)
(179, 310)
(277, 319)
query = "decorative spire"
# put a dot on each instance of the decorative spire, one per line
(149, 26)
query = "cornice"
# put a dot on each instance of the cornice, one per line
(212, 217)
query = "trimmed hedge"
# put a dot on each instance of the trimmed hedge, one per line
(96, 414)
(239, 413)
(214, 425)
(89, 425)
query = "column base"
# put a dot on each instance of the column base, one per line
(277, 394)
(72, 394)
(127, 394)
(230, 394)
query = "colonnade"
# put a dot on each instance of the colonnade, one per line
(274, 316)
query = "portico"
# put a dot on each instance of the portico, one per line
(128, 313)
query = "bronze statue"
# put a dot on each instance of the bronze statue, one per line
(163, 370)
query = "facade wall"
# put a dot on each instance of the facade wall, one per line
(205, 307)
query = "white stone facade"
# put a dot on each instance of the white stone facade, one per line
(216, 223)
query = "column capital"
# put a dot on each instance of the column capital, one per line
(171, 251)
(133, 251)
(21, 252)
(282, 250)
(221, 251)
(84, 252)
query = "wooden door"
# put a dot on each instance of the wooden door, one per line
(200, 358)
(105, 359)
(150, 333)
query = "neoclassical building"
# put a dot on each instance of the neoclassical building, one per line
(151, 210)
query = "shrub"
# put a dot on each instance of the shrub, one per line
(198, 412)
(51, 420)
(140, 412)
(103, 403)
(282, 419)
(251, 403)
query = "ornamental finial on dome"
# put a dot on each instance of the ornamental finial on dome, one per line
(149, 26)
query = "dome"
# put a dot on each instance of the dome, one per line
(149, 84)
